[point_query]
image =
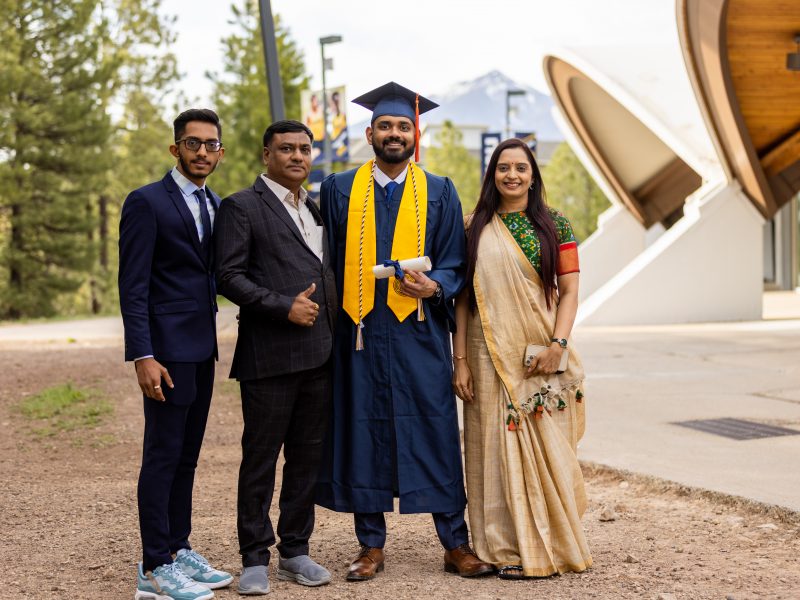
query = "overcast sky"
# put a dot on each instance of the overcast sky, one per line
(426, 45)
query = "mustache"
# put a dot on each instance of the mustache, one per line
(394, 140)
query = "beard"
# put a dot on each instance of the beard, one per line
(392, 156)
(187, 167)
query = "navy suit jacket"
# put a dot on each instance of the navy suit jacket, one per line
(166, 282)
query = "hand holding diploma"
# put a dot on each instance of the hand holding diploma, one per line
(417, 284)
(422, 263)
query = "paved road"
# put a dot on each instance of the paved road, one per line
(641, 381)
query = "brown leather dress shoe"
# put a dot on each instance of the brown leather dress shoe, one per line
(368, 562)
(465, 562)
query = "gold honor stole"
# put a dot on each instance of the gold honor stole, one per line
(360, 252)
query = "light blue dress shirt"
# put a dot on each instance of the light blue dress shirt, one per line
(188, 189)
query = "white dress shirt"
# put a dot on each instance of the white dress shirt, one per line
(188, 189)
(382, 178)
(300, 214)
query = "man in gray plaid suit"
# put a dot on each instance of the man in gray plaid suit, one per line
(273, 262)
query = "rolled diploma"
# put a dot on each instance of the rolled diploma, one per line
(423, 263)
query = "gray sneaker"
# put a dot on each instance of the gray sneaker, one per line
(254, 581)
(303, 570)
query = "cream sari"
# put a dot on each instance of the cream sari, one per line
(524, 483)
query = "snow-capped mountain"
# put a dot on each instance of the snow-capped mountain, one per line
(482, 101)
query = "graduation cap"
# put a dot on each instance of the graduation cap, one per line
(394, 100)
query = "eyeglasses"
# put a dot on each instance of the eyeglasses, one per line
(193, 144)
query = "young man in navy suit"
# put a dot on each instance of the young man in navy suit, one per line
(168, 299)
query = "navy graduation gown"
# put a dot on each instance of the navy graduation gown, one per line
(394, 427)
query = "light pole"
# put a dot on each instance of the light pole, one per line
(326, 64)
(510, 93)
(271, 62)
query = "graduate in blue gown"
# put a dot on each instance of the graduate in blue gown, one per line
(394, 428)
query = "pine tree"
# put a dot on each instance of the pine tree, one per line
(53, 88)
(145, 72)
(450, 157)
(242, 98)
(65, 166)
(571, 190)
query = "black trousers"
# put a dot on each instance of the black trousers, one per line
(173, 434)
(290, 411)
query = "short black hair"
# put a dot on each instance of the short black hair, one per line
(195, 114)
(286, 126)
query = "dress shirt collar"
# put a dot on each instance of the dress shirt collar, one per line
(382, 178)
(282, 192)
(187, 187)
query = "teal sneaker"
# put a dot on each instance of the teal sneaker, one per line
(169, 582)
(196, 566)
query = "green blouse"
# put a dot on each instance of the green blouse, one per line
(523, 231)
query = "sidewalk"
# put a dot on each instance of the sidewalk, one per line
(640, 382)
(93, 330)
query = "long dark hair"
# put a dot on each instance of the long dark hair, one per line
(538, 215)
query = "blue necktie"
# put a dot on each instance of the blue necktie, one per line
(390, 188)
(205, 218)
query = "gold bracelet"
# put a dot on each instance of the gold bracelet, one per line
(457, 357)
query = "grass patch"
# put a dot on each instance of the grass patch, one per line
(63, 408)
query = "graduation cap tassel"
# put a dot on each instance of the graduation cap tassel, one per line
(420, 310)
(416, 130)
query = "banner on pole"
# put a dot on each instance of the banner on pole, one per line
(311, 109)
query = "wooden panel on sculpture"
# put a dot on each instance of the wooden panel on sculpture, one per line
(645, 173)
(664, 193)
(759, 35)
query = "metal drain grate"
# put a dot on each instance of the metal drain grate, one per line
(737, 429)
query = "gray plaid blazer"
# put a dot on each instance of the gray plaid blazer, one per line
(262, 263)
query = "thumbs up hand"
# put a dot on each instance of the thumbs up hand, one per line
(304, 311)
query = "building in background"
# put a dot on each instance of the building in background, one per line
(697, 142)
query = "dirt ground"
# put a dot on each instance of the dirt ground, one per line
(69, 527)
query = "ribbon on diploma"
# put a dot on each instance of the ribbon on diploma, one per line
(395, 267)
(395, 264)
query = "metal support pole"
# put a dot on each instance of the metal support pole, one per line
(510, 93)
(508, 115)
(327, 159)
(276, 106)
(326, 144)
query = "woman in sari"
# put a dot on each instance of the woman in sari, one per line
(521, 424)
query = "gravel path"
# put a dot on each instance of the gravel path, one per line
(68, 513)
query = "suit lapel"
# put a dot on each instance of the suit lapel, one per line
(180, 205)
(277, 207)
